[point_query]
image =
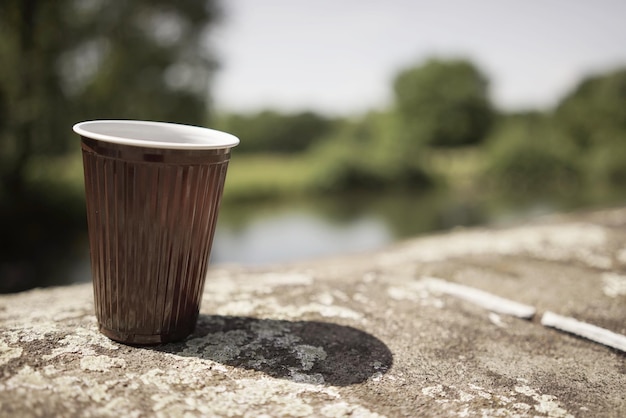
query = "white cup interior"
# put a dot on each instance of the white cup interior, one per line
(155, 134)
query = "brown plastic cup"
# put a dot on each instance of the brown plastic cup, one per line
(153, 192)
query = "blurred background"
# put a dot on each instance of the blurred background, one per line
(362, 122)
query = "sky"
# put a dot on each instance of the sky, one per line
(339, 57)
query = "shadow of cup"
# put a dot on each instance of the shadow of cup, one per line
(302, 351)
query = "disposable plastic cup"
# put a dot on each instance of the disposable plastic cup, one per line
(153, 192)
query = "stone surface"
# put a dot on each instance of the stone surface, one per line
(360, 336)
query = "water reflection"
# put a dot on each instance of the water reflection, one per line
(288, 235)
(265, 233)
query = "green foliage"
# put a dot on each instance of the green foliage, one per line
(365, 155)
(269, 176)
(583, 143)
(594, 114)
(438, 104)
(443, 103)
(606, 165)
(594, 117)
(270, 131)
(525, 153)
(152, 60)
(33, 104)
(64, 61)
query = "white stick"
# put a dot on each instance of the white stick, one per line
(481, 298)
(582, 329)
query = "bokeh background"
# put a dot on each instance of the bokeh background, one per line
(362, 122)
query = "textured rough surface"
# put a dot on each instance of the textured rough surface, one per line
(358, 336)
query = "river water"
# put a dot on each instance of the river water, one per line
(264, 233)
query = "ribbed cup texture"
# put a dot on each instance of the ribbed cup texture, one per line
(151, 215)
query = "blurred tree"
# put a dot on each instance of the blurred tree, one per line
(593, 114)
(526, 154)
(69, 60)
(62, 61)
(594, 119)
(363, 154)
(443, 103)
(271, 131)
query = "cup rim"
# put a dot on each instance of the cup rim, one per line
(154, 134)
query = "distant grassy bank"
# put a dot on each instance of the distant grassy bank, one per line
(263, 176)
(260, 176)
(250, 176)
(275, 176)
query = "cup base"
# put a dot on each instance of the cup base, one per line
(144, 339)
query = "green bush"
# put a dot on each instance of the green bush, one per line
(272, 132)
(593, 113)
(607, 165)
(443, 103)
(526, 155)
(366, 155)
